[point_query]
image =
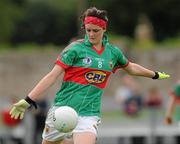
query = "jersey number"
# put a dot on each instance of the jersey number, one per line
(99, 64)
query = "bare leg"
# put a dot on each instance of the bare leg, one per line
(68, 141)
(65, 141)
(48, 142)
(84, 138)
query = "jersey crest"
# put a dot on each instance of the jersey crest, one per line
(95, 77)
(87, 61)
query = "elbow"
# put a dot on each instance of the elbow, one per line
(130, 69)
(132, 73)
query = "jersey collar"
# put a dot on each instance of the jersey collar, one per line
(98, 51)
(104, 41)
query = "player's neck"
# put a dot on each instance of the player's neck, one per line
(98, 46)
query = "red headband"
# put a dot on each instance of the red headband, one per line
(96, 21)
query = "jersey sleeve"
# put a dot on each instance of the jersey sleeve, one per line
(67, 57)
(121, 60)
(176, 90)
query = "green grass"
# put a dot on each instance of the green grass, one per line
(30, 47)
(125, 41)
(171, 42)
(132, 43)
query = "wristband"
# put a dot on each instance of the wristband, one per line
(31, 102)
(156, 75)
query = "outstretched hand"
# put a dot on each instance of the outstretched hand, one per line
(168, 120)
(19, 109)
(161, 75)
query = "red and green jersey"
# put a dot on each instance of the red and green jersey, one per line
(175, 91)
(86, 75)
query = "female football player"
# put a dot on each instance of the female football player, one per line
(86, 65)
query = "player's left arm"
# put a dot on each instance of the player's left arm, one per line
(138, 70)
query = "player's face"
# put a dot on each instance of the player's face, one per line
(94, 33)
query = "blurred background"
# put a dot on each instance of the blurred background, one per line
(34, 32)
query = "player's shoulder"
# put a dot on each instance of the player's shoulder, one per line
(74, 45)
(114, 49)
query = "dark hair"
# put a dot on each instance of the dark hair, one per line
(93, 11)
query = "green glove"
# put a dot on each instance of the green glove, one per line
(160, 75)
(19, 109)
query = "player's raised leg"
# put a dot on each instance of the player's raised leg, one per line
(84, 138)
(65, 141)
(48, 142)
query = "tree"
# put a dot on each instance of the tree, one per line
(123, 14)
(44, 23)
(10, 13)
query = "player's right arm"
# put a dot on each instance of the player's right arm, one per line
(19, 108)
(46, 82)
